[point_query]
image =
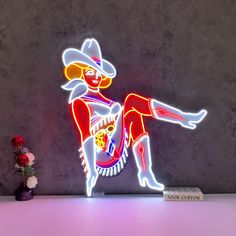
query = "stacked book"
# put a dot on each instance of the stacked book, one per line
(182, 194)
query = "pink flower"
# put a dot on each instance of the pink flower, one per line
(31, 158)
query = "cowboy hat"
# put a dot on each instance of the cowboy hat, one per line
(89, 54)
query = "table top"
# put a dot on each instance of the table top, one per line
(118, 215)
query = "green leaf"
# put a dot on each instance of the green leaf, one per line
(29, 171)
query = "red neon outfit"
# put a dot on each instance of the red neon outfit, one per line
(85, 118)
(134, 109)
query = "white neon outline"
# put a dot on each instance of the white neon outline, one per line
(91, 179)
(146, 180)
(90, 44)
(118, 167)
(89, 72)
(97, 105)
(70, 100)
(108, 117)
(110, 171)
(100, 171)
(88, 60)
(192, 124)
(106, 171)
(99, 68)
(125, 151)
(80, 83)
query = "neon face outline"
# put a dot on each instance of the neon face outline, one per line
(92, 78)
(107, 128)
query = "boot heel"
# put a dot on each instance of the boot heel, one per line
(142, 181)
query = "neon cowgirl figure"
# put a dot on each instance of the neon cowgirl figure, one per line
(108, 128)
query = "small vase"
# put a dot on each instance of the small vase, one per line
(23, 193)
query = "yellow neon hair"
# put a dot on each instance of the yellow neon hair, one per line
(76, 70)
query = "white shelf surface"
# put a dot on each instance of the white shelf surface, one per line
(118, 215)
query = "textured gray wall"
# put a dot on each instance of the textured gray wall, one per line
(181, 52)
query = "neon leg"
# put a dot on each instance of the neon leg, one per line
(134, 125)
(162, 111)
(138, 103)
(141, 150)
(142, 154)
(89, 152)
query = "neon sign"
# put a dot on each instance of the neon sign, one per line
(107, 128)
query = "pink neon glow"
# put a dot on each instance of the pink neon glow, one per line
(164, 113)
(141, 152)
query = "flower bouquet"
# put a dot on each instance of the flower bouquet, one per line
(24, 163)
